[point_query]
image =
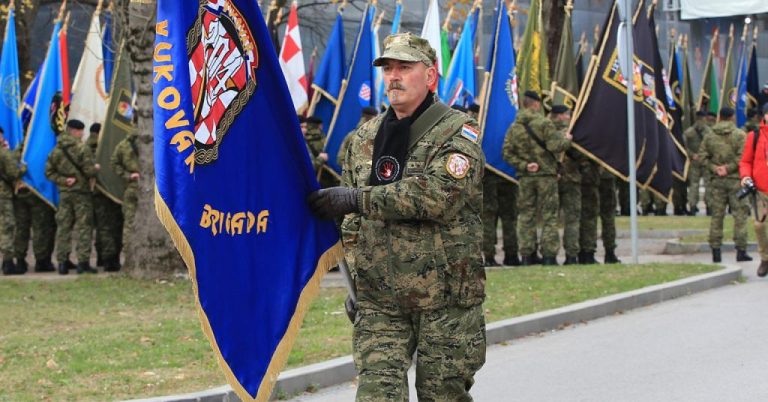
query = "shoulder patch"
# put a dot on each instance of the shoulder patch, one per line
(469, 133)
(457, 166)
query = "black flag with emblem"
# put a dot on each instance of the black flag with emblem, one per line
(599, 126)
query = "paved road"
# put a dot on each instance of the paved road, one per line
(705, 347)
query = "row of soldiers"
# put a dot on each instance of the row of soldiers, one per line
(82, 208)
(578, 191)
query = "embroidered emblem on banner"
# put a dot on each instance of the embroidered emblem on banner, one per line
(457, 166)
(223, 59)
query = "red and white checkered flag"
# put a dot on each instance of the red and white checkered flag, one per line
(292, 61)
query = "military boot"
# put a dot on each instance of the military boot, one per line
(527, 261)
(85, 268)
(588, 259)
(21, 266)
(512, 260)
(44, 266)
(716, 257)
(113, 264)
(571, 260)
(741, 255)
(64, 267)
(610, 257)
(762, 270)
(491, 262)
(549, 261)
(9, 268)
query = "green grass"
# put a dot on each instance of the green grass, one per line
(100, 338)
(665, 222)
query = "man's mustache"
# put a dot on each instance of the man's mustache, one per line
(396, 85)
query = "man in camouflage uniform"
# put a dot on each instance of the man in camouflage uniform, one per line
(753, 121)
(10, 173)
(312, 128)
(694, 136)
(499, 203)
(125, 164)
(720, 154)
(569, 189)
(412, 236)
(607, 202)
(108, 218)
(70, 166)
(590, 209)
(533, 145)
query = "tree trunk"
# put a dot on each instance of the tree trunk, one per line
(554, 14)
(149, 251)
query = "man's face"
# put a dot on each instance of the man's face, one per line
(711, 119)
(75, 132)
(407, 82)
(303, 128)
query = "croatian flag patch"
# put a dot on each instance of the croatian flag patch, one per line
(469, 133)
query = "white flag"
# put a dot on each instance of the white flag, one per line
(431, 32)
(292, 61)
(89, 98)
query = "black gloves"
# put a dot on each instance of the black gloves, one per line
(334, 202)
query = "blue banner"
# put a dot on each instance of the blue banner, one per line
(742, 97)
(232, 175)
(358, 92)
(28, 104)
(753, 82)
(40, 135)
(9, 85)
(330, 74)
(500, 105)
(108, 51)
(459, 85)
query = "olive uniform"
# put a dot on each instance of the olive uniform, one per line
(125, 161)
(72, 158)
(499, 203)
(107, 221)
(694, 136)
(538, 190)
(9, 174)
(569, 193)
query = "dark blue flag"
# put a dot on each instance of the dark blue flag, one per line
(357, 94)
(500, 104)
(753, 82)
(9, 85)
(232, 176)
(330, 74)
(28, 102)
(108, 51)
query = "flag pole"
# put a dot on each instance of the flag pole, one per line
(628, 72)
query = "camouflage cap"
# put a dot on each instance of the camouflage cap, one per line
(406, 47)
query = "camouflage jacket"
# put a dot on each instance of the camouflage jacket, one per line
(695, 135)
(315, 139)
(345, 144)
(723, 147)
(417, 242)
(571, 157)
(125, 160)
(9, 172)
(58, 167)
(520, 149)
(751, 126)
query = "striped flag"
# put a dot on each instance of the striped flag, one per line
(431, 32)
(292, 61)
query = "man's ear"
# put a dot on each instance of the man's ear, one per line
(431, 76)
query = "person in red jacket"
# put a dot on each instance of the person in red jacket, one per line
(753, 168)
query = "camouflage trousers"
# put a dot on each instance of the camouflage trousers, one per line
(499, 203)
(35, 216)
(696, 174)
(130, 199)
(75, 215)
(108, 222)
(679, 194)
(607, 202)
(7, 227)
(724, 194)
(449, 345)
(570, 211)
(590, 208)
(761, 225)
(538, 195)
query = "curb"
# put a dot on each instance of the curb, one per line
(342, 369)
(676, 247)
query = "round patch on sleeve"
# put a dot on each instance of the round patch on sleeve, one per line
(457, 166)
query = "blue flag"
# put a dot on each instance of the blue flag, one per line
(500, 104)
(9, 85)
(742, 96)
(358, 92)
(396, 18)
(28, 104)
(459, 85)
(330, 74)
(108, 51)
(232, 178)
(40, 135)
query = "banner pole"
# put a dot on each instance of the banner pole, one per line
(626, 24)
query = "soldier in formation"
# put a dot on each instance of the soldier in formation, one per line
(70, 166)
(720, 153)
(411, 201)
(125, 164)
(10, 173)
(108, 218)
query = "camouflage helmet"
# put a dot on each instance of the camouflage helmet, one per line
(407, 47)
